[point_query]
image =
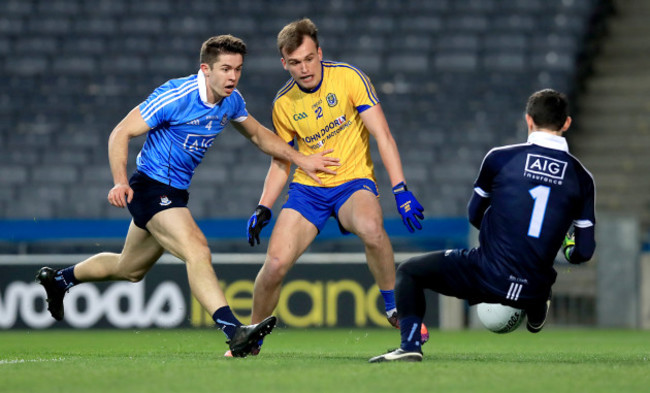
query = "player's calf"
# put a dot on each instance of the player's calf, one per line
(537, 317)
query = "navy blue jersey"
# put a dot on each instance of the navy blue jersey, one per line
(532, 193)
(183, 126)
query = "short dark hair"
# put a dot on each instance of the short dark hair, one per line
(292, 35)
(214, 46)
(548, 109)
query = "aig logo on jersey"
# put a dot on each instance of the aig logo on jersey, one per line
(540, 167)
(194, 142)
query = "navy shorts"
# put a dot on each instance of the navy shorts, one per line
(151, 196)
(459, 273)
(317, 204)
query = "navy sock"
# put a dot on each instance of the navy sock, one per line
(226, 321)
(410, 331)
(389, 299)
(65, 278)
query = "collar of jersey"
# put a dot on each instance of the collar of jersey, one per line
(203, 91)
(550, 141)
(315, 89)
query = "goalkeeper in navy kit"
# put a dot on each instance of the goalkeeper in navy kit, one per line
(526, 198)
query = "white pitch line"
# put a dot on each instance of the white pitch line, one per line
(19, 361)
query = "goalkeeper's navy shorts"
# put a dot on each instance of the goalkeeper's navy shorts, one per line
(317, 204)
(461, 273)
(151, 196)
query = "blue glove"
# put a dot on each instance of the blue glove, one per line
(408, 207)
(567, 246)
(260, 218)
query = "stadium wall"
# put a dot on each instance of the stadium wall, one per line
(322, 290)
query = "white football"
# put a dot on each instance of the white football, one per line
(499, 318)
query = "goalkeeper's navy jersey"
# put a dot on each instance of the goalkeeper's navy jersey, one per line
(536, 191)
(183, 126)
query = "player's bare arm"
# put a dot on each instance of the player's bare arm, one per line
(270, 143)
(118, 151)
(375, 121)
(274, 182)
(407, 205)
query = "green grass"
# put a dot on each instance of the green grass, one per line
(319, 360)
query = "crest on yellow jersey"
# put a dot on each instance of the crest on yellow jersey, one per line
(331, 99)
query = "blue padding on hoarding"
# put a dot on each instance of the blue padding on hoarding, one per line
(70, 229)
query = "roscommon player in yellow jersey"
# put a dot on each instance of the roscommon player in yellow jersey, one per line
(327, 105)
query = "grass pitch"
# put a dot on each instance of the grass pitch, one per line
(320, 360)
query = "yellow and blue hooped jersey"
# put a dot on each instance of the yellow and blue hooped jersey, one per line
(328, 118)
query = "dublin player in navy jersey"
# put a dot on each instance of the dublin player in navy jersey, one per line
(526, 198)
(182, 119)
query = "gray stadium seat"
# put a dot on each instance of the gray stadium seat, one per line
(13, 174)
(136, 24)
(95, 25)
(74, 65)
(6, 46)
(88, 46)
(46, 24)
(40, 45)
(466, 61)
(30, 206)
(190, 25)
(457, 41)
(65, 155)
(370, 64)
(154, 7)
(55, 194)
(15, 8)
(517, 22)
(13, 26)
(123, 64)
(467, 22)
(26, 65)
(209, 176)
(512, 61)
(424, 24)
(407, 62)
(62, 7)
(170, 64)
(56, 174)
(96, 174)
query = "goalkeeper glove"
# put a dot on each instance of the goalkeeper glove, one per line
(567, 246)
(260, 218)
(408, 207)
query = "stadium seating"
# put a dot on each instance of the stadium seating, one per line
(452, 77)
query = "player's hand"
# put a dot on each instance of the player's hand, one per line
(567, 246)
(120, 195)
(319, 162)
(408, 207)
(260, 218)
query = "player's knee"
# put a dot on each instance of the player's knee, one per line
(136, 276)
(405, 276)
(372, 233)
(199, 255)
(275, 269)
(405, 268)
